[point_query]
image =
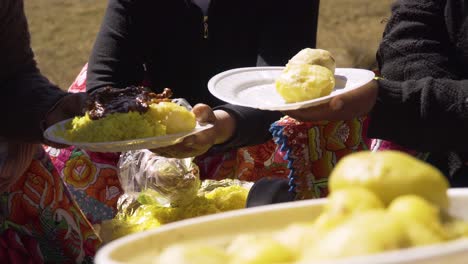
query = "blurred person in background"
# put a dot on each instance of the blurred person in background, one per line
(39, 221)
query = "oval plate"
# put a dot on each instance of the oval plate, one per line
(124, 145)
(255, 87)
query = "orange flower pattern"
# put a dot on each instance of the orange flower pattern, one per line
(93, 180)
(247, 164)
(38, 213)
(79, 172)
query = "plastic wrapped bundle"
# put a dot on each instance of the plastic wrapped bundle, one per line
(177, 180)
(160, 190)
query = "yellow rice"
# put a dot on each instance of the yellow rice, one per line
(160, 119)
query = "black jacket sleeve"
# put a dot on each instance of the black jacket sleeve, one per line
(115, 59)
(422, 101)
(26, 95)
(252, 126)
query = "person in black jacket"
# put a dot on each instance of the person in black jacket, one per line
(181, 44)
(420, 103)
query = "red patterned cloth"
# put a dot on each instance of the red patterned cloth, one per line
(41, 222)
(313, 148)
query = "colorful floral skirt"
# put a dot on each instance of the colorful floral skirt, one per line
(41, 223)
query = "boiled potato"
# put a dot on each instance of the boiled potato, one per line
(351, 200)
(369, 232)
(390, 174)
(421, 219)
(314, 57)
(176, 118)
(302, 82)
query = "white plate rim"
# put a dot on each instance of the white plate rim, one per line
(123, 145)
(287, 106)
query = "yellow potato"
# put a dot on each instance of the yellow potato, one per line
(390, 174)
(420, 218)
(176, 118)
(251, 249)
(314, 57)
(364, 233)
(352, 200)
(302, 82)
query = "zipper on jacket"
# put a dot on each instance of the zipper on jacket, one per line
(205, 27)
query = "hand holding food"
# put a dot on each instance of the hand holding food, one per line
(356, 103)
(68, 107)
(195, 145)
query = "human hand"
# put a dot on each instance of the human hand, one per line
(69, 106)
(356, 103)
(197, 144)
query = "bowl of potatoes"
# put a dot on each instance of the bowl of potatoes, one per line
(383, 207)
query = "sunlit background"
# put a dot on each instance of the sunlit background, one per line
(63, 32)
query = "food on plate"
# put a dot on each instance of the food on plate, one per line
(308, 75)
(302, 82)
(364, 218)
(390, 174)
(314, 57)
(114, 114)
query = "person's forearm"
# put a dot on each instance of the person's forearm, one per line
(225, 126)
(250, 126)
(26, 101)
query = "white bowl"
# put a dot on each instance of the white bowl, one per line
(223, 226)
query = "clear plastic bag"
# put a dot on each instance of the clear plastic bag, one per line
(159, 190)
(176, 180)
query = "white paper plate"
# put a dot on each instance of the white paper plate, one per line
(214, 229)
(255, 87)
(120, 146)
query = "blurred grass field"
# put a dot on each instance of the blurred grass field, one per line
(63, 32)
